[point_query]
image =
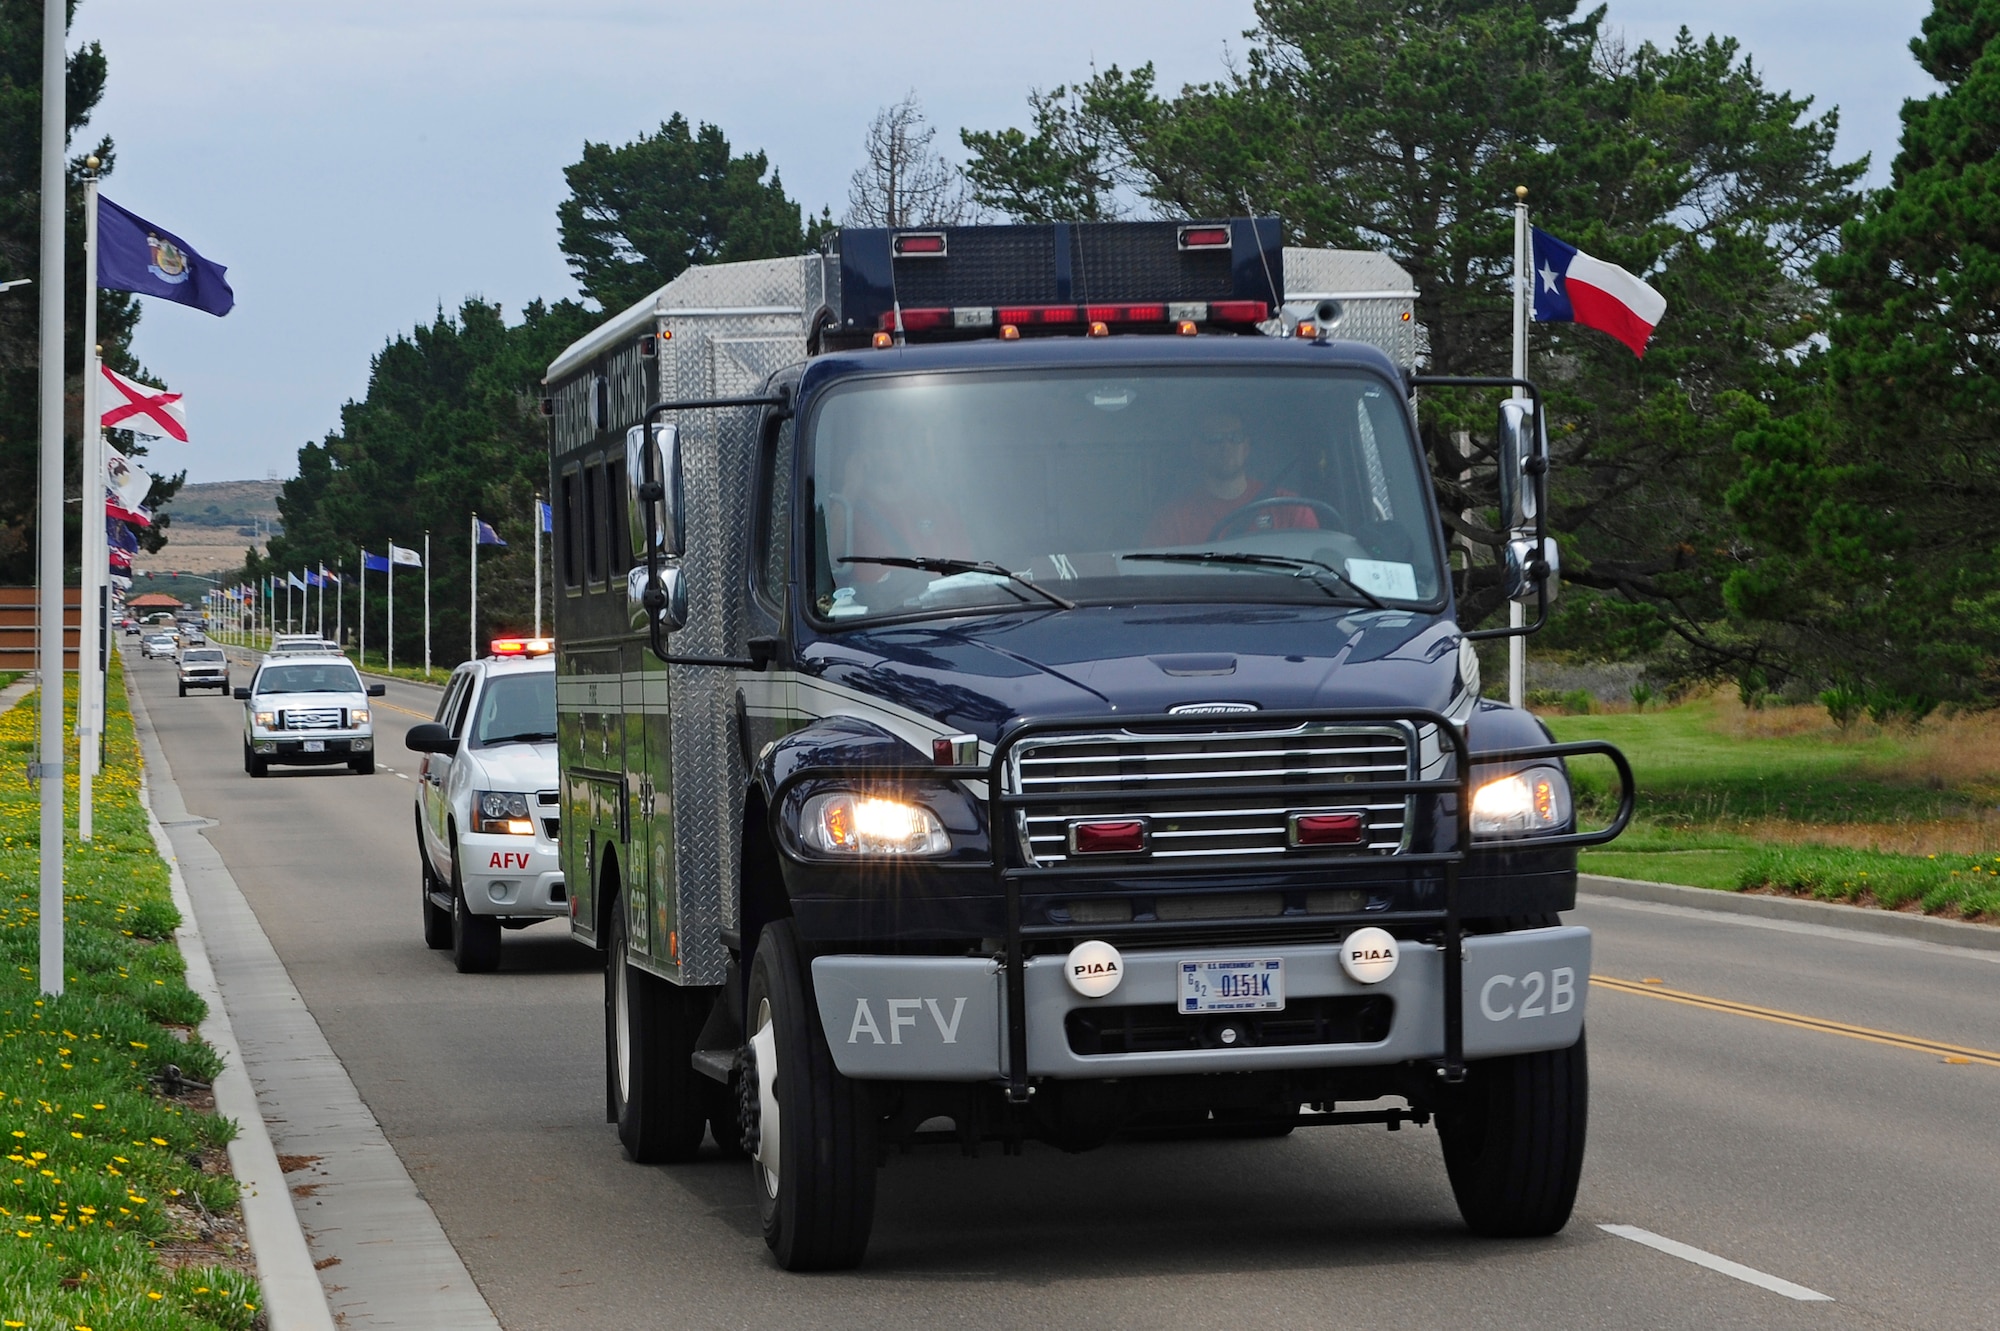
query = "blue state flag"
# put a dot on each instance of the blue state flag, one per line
(135, 255)
(546, 515)
(373, 563)
(487, 536)
(314, 580)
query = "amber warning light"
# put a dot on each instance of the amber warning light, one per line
(522, 646)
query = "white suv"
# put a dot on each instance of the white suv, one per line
(487, 804)
(308, 710)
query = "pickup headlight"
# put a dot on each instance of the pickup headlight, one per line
(357, 716)
(264, 720)
(1536, 800)
(502, 811)
(845, 823)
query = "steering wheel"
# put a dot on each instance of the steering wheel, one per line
(1234, 517)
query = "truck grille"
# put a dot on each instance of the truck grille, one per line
(1252, 769)
(310, 718)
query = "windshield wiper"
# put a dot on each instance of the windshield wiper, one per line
(1248, 559)
(526, 736)
(939, 564)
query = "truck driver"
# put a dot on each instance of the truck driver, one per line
(1221, 454)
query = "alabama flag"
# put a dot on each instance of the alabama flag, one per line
(1570, 286)
(128, 404)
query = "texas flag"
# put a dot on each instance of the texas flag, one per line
(1570, 286)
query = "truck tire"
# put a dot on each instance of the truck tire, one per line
(1513, 1141)
(254, 765)
(184, 690)
(362, 766)
(813, 1145)
(650, 1028)
(437, 919)
(475, 939)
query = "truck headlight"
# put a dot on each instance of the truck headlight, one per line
(503, 811)
(1536, 800)
(264, 720)
(844, 823)
(357, 716)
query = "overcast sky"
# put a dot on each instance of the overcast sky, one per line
(358, 164)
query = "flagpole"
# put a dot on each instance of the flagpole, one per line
(473, 631)
(391, 576)
(48, 773)
(361, 605)
(1517, 614)
(537, 524)
(322, 600)
(94, 543)
(427, 604)
(339, 607)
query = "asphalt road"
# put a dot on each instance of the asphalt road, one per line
(1817, 1161)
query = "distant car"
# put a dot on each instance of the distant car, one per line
(156, 645)
(487, 804)
(204, 668)
(295, 644)
(310, 711)
(132, 627)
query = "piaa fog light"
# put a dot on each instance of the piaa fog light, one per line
(1094, 969)
(1369, 955)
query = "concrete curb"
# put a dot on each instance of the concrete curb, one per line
(1831, 914)
(397, 1267)
(294, 1299)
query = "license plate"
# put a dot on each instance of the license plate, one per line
(314, 746)
(1241, 984)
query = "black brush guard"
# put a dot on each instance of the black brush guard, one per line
(1010, 874)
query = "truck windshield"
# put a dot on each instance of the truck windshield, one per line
(516, 709)
(326, 677)
(948, 493)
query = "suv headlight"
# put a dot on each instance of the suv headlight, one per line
(844, 823)
(502, 811)
(1535, 800)
(264, 720)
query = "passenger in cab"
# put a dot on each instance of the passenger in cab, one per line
(1222, 485)
(888, 504)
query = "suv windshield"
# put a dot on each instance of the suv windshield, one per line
(516, 707)
(323, 677)
(943, 493)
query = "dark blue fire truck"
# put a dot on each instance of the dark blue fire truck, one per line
(1009, 689)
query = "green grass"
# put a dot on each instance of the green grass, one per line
(1703, 792)
(102, 1173)
(9, 676)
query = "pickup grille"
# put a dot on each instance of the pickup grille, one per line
(311, 718)
(1251, 769)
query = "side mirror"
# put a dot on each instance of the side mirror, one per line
(377, 690)
(674, 602)
(1527, 575)
(430, 737)
(1519, 454)
(655, 503)
(241, 695)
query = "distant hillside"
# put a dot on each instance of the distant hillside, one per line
(234, 504)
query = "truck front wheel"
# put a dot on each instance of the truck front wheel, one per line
(650, 1030)
(1513, 1141)
(809, 1130)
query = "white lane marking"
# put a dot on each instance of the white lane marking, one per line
(1748, 1274)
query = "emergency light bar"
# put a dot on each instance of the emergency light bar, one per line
(1233, 312)
(521, 646)
(1058, 277)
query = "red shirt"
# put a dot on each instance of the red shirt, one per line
(1189, 520)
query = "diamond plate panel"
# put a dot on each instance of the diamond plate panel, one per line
(732, 326)
(1373, 290)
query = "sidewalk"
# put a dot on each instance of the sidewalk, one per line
(393, 1265)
